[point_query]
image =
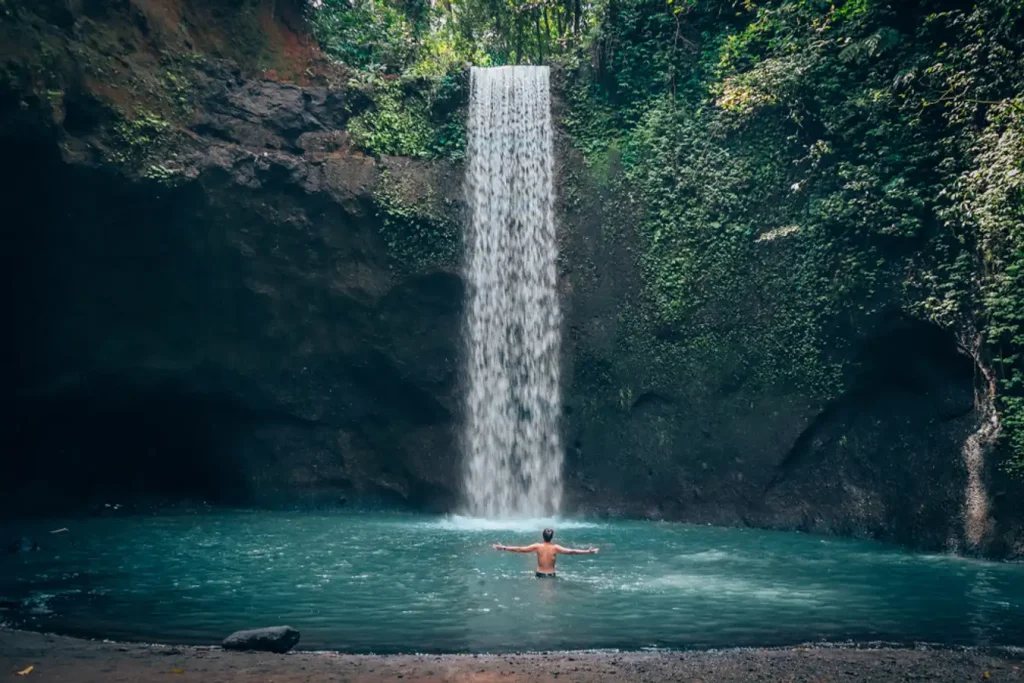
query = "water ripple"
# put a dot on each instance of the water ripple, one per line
(404, 583)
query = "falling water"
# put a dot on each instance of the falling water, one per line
(975, 510)
(512, 450)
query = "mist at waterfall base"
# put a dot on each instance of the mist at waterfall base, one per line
(390, 582)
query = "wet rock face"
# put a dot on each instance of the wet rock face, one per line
(271, 115)
(702, 441)
(241, 334)
(883, 460)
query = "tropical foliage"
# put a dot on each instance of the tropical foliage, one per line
(417, 37)
(825, 160)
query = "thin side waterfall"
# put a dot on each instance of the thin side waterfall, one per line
(511, 445)
(975, 510)
(976, 514)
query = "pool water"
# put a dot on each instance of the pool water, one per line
(386, 583)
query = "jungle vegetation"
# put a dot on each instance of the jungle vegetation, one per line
(835, 159)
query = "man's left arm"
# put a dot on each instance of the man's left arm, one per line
(515, 549)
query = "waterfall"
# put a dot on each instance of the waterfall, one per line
(976, 515)
(975, 509)
(511, 447)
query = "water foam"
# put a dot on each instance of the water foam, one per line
(525, 525)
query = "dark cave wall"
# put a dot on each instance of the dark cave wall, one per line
(884, 458)
(243, 335)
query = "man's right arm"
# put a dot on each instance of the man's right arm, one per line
(575, 551)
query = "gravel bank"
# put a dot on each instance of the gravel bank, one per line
(72, 660)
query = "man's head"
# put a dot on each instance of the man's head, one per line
(548, 535)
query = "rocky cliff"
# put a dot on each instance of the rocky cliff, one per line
(697, 421)
(210, 297)
(216, 295)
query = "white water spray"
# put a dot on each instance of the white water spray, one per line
(511, 445)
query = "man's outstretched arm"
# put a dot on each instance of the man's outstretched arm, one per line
(516, 549)
(575, 551)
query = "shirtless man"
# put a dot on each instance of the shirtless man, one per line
(546, 552)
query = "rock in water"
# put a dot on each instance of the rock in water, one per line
(271, 639)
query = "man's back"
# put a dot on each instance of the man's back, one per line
(546, 553)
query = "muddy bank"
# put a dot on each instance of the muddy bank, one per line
(57, 658)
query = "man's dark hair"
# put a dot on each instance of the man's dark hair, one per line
(548, 535)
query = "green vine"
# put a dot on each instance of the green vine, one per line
(418, 118)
